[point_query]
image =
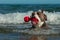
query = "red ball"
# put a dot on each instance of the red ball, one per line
(26, 18)
(34, 20)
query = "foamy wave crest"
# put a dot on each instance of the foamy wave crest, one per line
(53, 18)
(13, 17)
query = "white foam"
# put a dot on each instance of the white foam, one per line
(13, 17)
(53, 18)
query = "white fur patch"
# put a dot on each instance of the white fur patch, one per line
(40, 23)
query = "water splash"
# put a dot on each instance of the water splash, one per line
(53, 18)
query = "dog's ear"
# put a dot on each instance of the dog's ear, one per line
(33, 14)
(38, 13)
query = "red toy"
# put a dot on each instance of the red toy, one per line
(26, 18)
(34, 20)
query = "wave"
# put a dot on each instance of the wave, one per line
(53, 18)
(13, 17)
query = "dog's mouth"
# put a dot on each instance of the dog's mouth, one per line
(34, 23)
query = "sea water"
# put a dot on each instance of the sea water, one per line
(12, 17)
(18, 36)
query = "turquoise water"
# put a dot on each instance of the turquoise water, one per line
(12, 8)
(11, 15)
(14, 13)
(10, 36)
(18, 36)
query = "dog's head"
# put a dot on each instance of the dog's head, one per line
(34, 20)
